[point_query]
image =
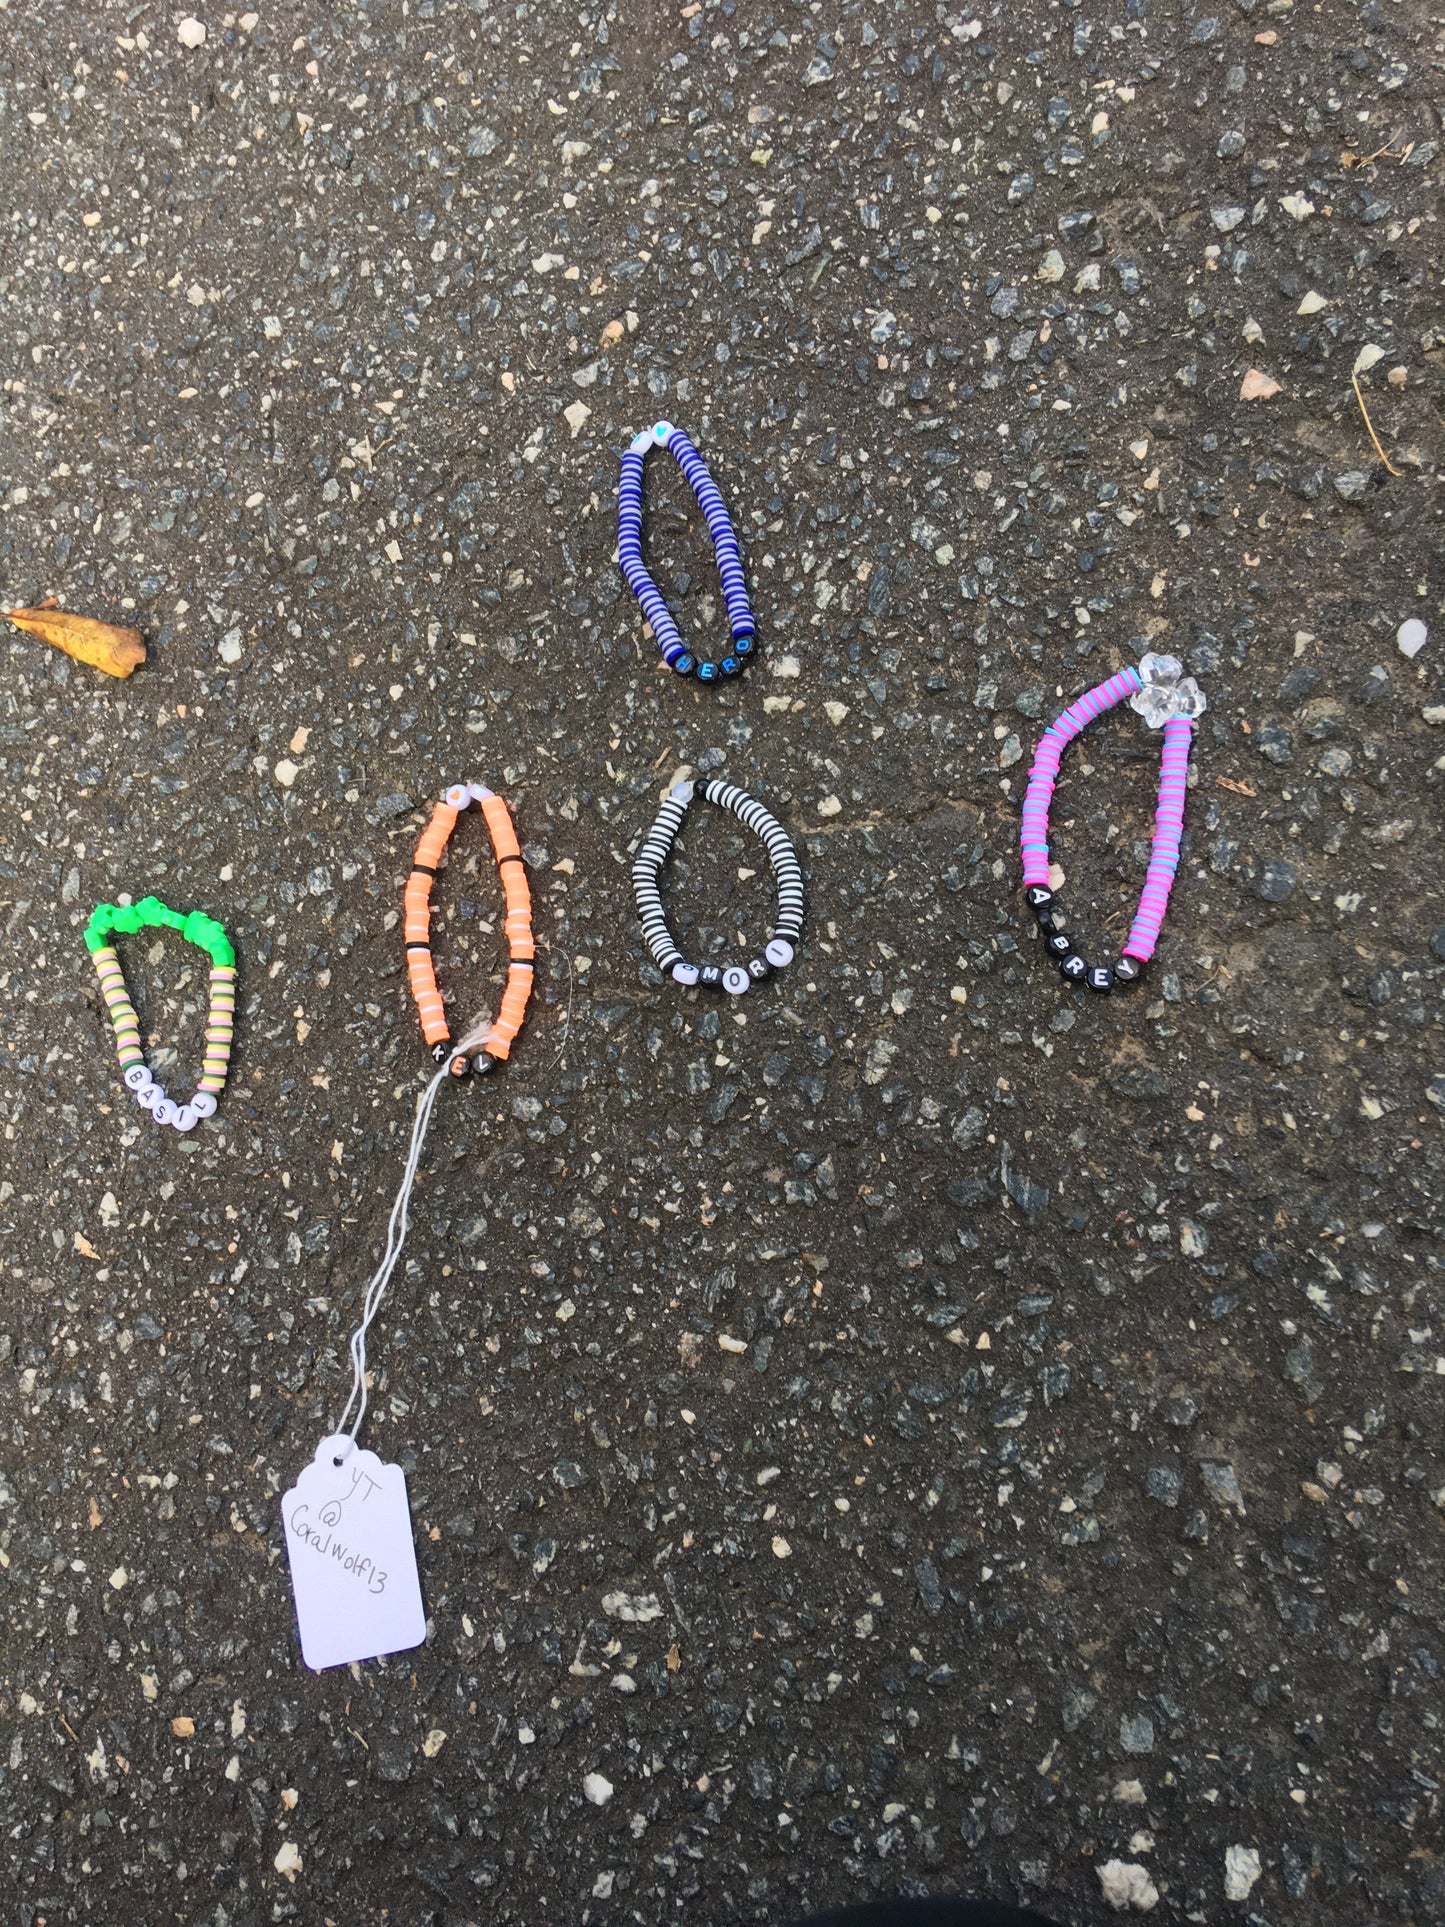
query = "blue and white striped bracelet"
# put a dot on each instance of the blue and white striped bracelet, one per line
(741, 625)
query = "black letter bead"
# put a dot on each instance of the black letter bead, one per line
(1073, 967)
(1037, 897)
(1101, 978)
(1059, 944)
(759, 969)
(1045, 921)
(710, 977)
(1127, 969)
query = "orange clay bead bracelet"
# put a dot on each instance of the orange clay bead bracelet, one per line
(495, 1044)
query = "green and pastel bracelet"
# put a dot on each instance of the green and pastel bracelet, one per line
(199, 929)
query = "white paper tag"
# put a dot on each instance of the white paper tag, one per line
(353, 1562)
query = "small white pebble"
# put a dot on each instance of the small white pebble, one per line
(286, 772)
(781, 1548)
(596, 1790)
(120, 1577)
(1412, 635)
(288, 1859)
(1241, 1870)
(191, 33)
(1127, 1886)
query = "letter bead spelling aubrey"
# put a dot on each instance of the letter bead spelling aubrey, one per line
(495, 1045)
(734, 979)
(741, 626)
(1167, 699)
(207, 935)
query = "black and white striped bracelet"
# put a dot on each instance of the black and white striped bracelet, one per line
(787, 923)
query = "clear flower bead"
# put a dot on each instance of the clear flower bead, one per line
(1167, 691)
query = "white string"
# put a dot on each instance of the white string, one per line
(396, 1229)
(395, 1239)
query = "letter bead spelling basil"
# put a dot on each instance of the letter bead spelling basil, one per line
(741, 625)
(127, 918)
(735, 979)
(1167, 700)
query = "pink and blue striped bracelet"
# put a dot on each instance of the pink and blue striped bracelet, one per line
(1166, 699)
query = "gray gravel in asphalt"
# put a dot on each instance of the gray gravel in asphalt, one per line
(923, 1429)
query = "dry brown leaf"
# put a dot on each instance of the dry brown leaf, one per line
(1257, 386)
(104, 645)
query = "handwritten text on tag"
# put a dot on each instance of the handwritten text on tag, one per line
(353, 1562)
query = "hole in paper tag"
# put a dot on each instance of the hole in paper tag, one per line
(353, 1561)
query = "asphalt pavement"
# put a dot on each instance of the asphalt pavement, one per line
(916, 1428)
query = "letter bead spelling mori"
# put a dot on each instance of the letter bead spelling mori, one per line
(735, 979)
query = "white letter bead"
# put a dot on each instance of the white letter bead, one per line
(185, 1118)
(164, 1111)
(736, 980)
(779, 953)
(203, 1104)
(138, 1078)
(684, 973)
(149, 1097)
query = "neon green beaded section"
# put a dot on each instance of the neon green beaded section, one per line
(127, 918)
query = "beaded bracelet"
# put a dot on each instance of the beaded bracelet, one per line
(220, 1019)
(495, 1043)
(787, 924)
(675, 652)
(1156, 691)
